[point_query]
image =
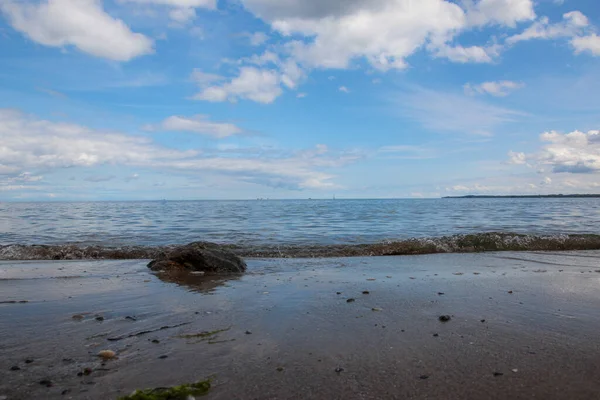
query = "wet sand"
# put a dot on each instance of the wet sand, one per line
(539, 337)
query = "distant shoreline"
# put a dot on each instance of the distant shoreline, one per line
(527, 196)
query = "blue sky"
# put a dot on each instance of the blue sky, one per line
(236, 99)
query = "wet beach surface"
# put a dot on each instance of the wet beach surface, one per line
(523, 325)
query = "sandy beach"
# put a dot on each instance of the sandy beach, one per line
(523, 325)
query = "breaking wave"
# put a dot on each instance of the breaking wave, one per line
(471, 243)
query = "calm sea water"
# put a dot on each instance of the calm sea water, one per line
(288, 221)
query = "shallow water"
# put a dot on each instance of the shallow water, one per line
(288, 222)
(540, 312)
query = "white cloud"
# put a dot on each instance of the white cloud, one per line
(257, 38)
(82, 23)
(197, 124)
(574, 23)
(301, 95)
(517, 158)
(501, 12)
(344, 89)
(498, 88)
(589, 44)
(474, 54)
(260, 85)
(181, 12)
(46, 145)
(574, 152)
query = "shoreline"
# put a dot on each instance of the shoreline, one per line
(523, 325)
(462, 243)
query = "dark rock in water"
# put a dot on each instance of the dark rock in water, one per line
(199, 256)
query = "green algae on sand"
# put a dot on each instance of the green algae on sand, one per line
(181, 392)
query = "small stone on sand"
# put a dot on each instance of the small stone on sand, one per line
(350, 300)
(107, 354)
(424, 377)
(365, 292)
(498, 374)
(15, 368)
(248, 332)
(444, 318)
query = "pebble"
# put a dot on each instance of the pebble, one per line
(107, 354)
(248, 332)
(375, 309)
(365, 292)
(444, 318)
(99, 318)
(498, 374)
(279, 369)
(46, 382)
(28, 361)
(350, 300)
(338, 292)
(510, 292)
(441, 293)
(515, 370)
(155, 341)
(483, 320)
(15, 368)
(163, 357)
(338, 370)
(435, 335)
(424, 377)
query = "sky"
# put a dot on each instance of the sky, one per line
(244, 99)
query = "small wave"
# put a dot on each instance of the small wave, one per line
(471, 243)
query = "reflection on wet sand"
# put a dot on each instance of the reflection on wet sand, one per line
(197, 282)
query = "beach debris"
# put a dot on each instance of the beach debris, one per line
(199, 256)
(87, 371)
(498, 374)
(15, 368)
(371, 279)
(365, 292)
(376, 309)
(515, 370)
(476, 273)
(444, 318)
(129, 317)
(457, 273)
(186, 391)
(107, 354)
(205, 335)
(46, 382)
(441, 293)
(388, 276)
(339, 369)
(424, 377)
(113, 339)
(14, 302)
(78, 317)
(248, 332)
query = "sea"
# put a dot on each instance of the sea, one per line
(289, 222)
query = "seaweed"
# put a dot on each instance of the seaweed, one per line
(181, 392)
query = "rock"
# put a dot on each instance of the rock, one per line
(28, 361)
(87, 371)
(77, 317)
(424, 377)
(365, 292)
(248, 333)
(107, 354)
(444, 318)
(498, 374)
(199, 256)
(15, 368)
(163, 357)
(155, 341)
(279, 369)
(436, 335)
(350, 301)
(100, 318)
(375, 309)
(483, 320)
(339, 369)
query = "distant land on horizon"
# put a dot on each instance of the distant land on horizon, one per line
(523, 196)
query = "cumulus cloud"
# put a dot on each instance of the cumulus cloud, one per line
(590, 44)
(574, 25)
(500, 12)
(257, 38)
(46, 145)
(197, 124)
(81, 23)
(575, 152)
(498, 88)
(344, 89)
